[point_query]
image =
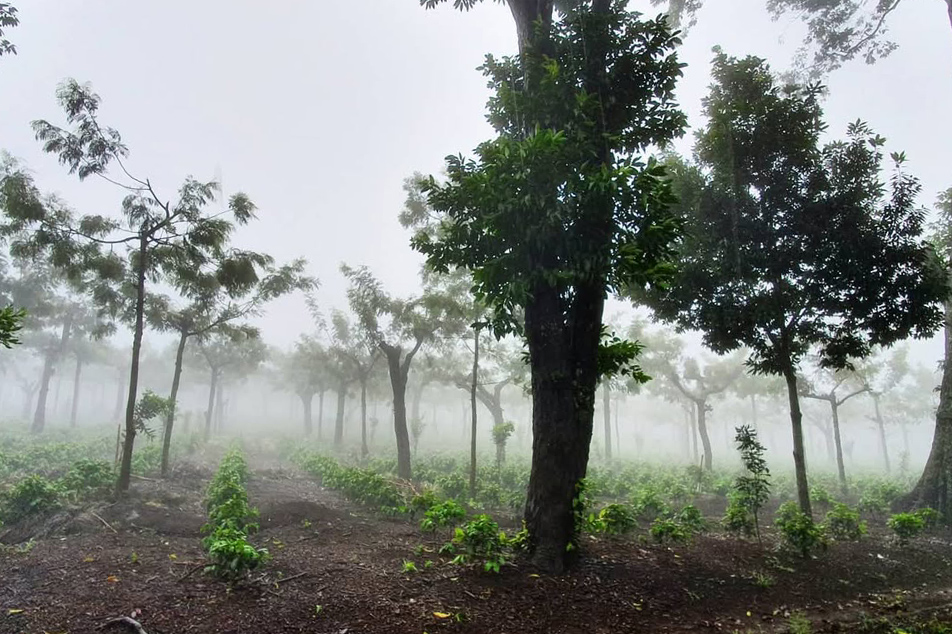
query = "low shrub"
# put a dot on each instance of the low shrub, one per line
(614, 519)
(443, 514)
(479, 540)
(844, 524)
(799, 531)
(30, 496)
(906, 526)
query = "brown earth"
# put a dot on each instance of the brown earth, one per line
(338, 568)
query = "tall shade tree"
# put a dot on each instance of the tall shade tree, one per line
(399, 328)
(160, 236)
(792, 244)
(934, 488)
(304, 371)
(834, 387)
(237, 350)
(225, 290)
(558, 211)
(355, 348)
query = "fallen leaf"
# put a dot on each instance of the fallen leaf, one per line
(13, 611)
(88, 559)
(442, 615)
(534, 576)
(112, 578)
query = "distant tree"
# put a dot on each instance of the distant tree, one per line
(400, 328)
(8, 20)
(826, 386)
(160, 236)
(356, 349)
(882, 374)
(84, 352)
(235, 349)
(304, 371)
(558, 211)
(792, 244)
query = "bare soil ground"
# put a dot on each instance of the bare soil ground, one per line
(337, 568)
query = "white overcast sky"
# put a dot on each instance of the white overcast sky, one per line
(318, 110)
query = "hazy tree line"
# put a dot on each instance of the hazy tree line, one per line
(796, 260)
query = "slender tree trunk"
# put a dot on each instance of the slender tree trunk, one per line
(219, 407)
(173, 402)
(753, 411)
(307, 399)
(339, 421)
(49, 364)
(121, 384)
(799, 455)
(364, 450)
(125, 466)
(320, 415)
(934, 488)
(881, 425)
(701, 408)
(607, 416)
(564, 381)
(74, 406)
(692, 415)
(398, 383)
(28, 392)
(617, 433)
(472, 403)
(210, 411)
(840, 467)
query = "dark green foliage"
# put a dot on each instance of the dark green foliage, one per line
(360, 485)
(614, 519)
(906, 526)
(480, 540)
(843, 523)
(11, 322)
(751, 490)
(30, 496)
(89, 478)
(798, 530)
(648, 504)
(443, 514)
(929, 516)
(668, 529)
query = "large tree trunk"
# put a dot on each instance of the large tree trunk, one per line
(607, 416)
(799, 455)
(526, 14)
(398, 383)
(307, 399)
(125, 465)
(49, 365)
(881, 426)
(701, 409)
(934, 488)
(564, 380)
(210, 407)
(74, 406)
(173, 398)
(472, 404)
(840, 467)
(339, 421)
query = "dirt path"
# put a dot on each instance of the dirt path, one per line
(350, 561)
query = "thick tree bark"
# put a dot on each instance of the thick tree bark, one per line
(799, 455)
(210, 408)
(307, 399)
(472, 404)
(74, 406)
(49, 365)
(564, 379)
(607, 416)
(125, 465)
(339, 420)
(526, 13)
(881, 426)
(173, 398)
(700, 407)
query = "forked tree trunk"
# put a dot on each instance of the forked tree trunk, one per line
(49, 365)
(74, 406)
(173, 398)
(125, 464)
(607, 418)
(799, 455)
(398, 384)
(701, 408)
(934, 488)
